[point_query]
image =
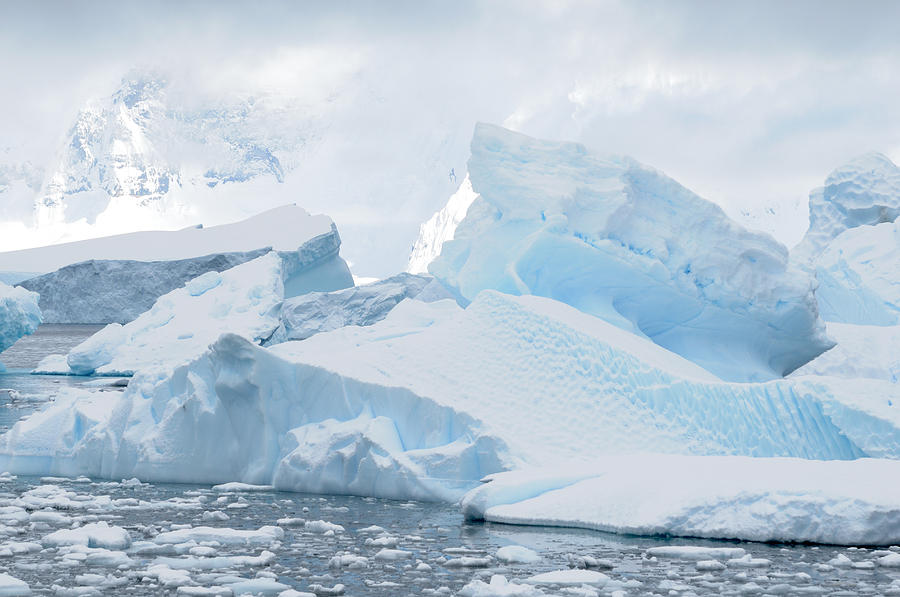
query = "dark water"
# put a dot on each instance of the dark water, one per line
(429, 537)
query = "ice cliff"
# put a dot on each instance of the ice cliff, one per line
(19, 315)
(427, 401)
(626, 243)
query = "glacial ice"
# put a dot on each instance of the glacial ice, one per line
(314, 312)
(626, 243)
(242, 300)
(19, 315)
(862, 192)
(426, 402)
(758, 499)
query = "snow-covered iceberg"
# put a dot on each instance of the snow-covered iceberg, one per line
(757, 499)
(432, 398)
(19, 315)
(314, 312)
(243, 300)
(626, 243)
(862, 192)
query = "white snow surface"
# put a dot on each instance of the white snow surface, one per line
(440, 228)
(862, 351)
(181, 324)
(11, 586)
(759, 499)
(426, 402)
(626, 243)
(284, 228)
(19, 315)
(864, 191)
(857, 274)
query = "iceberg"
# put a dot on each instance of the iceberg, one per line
(863, 192)
(625, 243)
(19, 315)
(862, 351)
(315, 312)
(723, 497)
(426, 402)
(182, 323)
(117, 291)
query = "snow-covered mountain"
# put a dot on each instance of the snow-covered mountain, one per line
(141, 145)
(440, 228)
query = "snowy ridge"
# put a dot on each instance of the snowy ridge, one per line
(425, 402)
(863, 192)
(772, 499)
(284, 228)
(627, 244)
(440, 228)
(19, 315)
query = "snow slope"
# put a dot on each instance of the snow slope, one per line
(284, 228)
(862, 351)
(112, 291)
(19, 315)
(440, 228)
(308, 314)
(863, 192)
(756, 499)
(427, 401)
(182, 323)
(626, 243)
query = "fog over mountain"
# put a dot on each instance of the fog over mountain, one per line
(119, 118)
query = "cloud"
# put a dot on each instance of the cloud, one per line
(746, 103)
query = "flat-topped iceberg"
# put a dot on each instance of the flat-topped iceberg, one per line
(426, 402)
(19, 315)
(626, 243)
(729, 497)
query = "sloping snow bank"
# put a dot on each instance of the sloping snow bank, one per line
(862, 351)
(624, 242)
(427, 401)
(19, 315)
(181, 324)
(758, 499)
(315, 312)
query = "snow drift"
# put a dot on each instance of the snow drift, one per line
(626, 243)
(19, 315)
(427, 401)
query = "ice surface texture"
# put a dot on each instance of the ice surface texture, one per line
(19, 315)
(626, 243)
(427, 401)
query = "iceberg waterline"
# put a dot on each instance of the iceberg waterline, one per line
(20, 315)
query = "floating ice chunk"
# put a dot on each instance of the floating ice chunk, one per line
(516, 554)
(265, 558)
(19, 314)
(322, 526)
(499, 587)
(393, 554)
(13, 587)
(265, 535)
(259, 586)
(748, 561)
(569, 577)
(468, 562)
(710, 565)
(95, 534)
(348, 560)
(235, 486)
(695, 552)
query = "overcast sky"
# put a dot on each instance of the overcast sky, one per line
(746, 104)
